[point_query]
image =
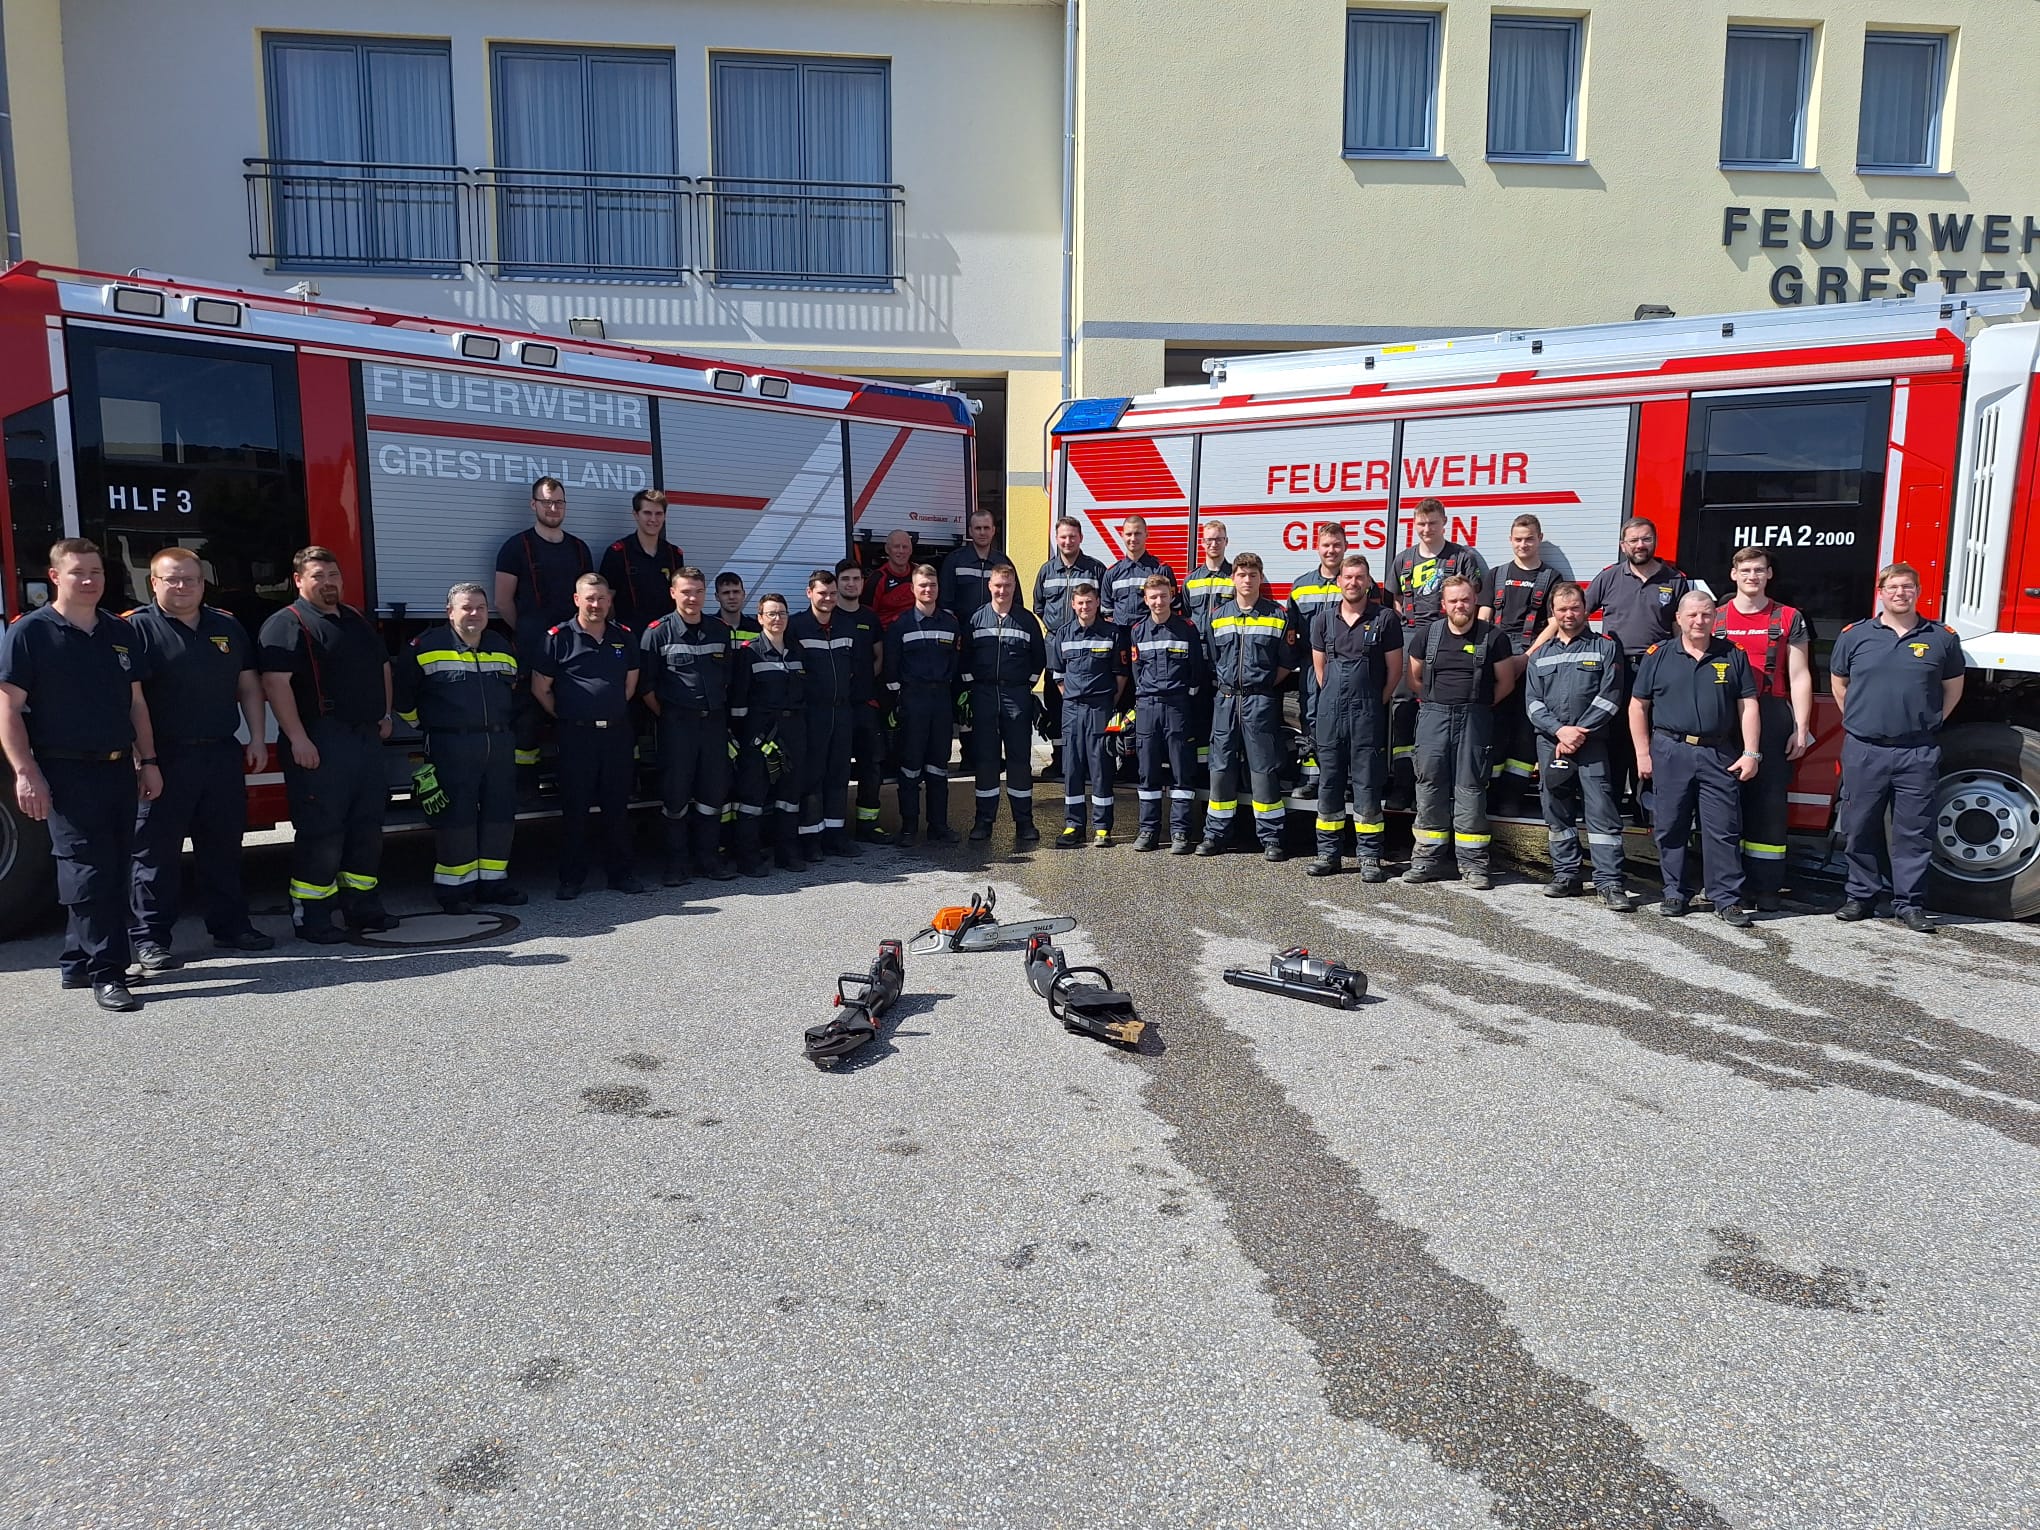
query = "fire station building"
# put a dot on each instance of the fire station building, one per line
(883, 186)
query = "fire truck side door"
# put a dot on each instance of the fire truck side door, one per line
(1801, 472)
(189, 443)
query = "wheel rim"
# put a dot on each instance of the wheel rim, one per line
(1986, 826)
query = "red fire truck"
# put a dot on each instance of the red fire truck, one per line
(146, 413)
(1844, 437)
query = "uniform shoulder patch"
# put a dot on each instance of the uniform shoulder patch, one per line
(1652, 649)
(555, 631)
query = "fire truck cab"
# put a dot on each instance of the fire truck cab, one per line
(1843, 437)
(146, 412)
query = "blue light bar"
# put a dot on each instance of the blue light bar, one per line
(1082, 415)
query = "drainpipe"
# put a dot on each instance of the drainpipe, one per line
(1069, 198)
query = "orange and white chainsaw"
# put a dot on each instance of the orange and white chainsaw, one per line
(973, 927)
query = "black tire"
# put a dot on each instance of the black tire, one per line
(28, 873)
(1987, 809)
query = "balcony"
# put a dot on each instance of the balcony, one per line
(316, 215)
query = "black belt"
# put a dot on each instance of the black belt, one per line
(468, 728)
(1247, 690)
(100, 756)
(596, 722)
(1717, 740)
(668, 709)
(1899, 741)
(193, 743)
(351, 727)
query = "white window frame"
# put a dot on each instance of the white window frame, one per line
(1435, 23)
(1938, 42)
(1577, 27)
(1804, 37)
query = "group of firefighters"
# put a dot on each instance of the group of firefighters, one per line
(1444, 683)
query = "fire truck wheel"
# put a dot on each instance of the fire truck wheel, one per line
(27, 871)
(1987, 822)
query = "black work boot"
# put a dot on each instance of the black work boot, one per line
(1024, 832)
(1371, 869)
(1564, 884)
(1620, 900)
(1423, 869)
(1147, 839)
(1323, 866)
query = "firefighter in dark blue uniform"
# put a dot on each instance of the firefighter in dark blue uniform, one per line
(76, 730)
(1251, 653)
(640, 568)
(536, 572)
(327, 677)
(1897, 677)
(1637, 596)
(1693, 721)
(1459, 668)
(202, 690)
(1356, 650)
(1573, 698)
(587, 673)
(867, 718)
(1314, 592)
(923, 653)
(768, 709)
(967, 572)
(684, 677)
(457, 684)
(1169, 679)
(828, 653)
(729, 607)
(1067, 566)
(1208, 587)
(1087, 663)
(1123, 594)
(1003, 659)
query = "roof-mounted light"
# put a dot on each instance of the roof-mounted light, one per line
(774, 387)
(480, 347)
(138, 302)
(216, 311)
(534, 354)
(723, 380)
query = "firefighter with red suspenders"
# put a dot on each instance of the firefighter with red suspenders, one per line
(1775, 638)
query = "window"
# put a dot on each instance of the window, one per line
(1533, 88)
(1786, 453)
(361, 139)
(585, 151)
(1391, 82)
(803, 162)
(1763, 97)
(1899, 126)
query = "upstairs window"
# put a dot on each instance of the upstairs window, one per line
(1763, 97)
(803, 160)
(1391, 82)
(1899, 124)
(1533, 88)
(585, 177)
(361, 171)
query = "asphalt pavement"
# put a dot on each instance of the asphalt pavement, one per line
(1583, 1220)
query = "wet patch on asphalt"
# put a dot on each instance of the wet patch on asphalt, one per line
(1402, 1343)
(615, 1099)
(487, 1466)
(545, 1373)
(1744, 1266)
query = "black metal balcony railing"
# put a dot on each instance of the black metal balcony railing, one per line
(315, 215)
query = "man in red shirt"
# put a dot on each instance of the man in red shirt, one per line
(892, 582)
(1775, 639)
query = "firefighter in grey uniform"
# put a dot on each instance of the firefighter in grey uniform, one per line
(1459, 667)
(1311, 594)
(1208, 587)
(1087, 663)
(684, 679)
(1067, 567)
(1252, 652)
(1572, 696)
(768, 711)
(1357, 654)
(1168, 682)
(1416, 578)
(457, 684)
(1003, 659)
(923, 649)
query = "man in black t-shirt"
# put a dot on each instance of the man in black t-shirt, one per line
(1459, 666)
(1416, 580)
(327, 677)
(536, 571)
(1517, 599)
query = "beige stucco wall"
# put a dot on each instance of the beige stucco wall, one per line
(42, 147)
(1216, 201)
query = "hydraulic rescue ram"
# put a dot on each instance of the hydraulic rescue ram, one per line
(855, 1022)
(1090, 1008)
(972, 927)
(1296, 974)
